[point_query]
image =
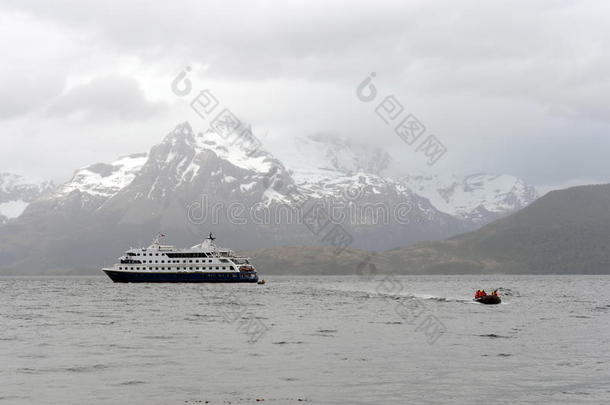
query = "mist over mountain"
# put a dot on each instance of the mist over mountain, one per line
(191, 183)
(480, 198)
(16, 192)
(318, 162)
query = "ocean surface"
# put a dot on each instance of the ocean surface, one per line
(317, 340)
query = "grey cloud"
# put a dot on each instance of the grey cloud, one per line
(23, 94)
(106, 96)
(509, 86)
(549, 51)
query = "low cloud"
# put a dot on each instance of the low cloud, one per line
(22, 94)
(103, 97)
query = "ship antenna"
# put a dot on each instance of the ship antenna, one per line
(211, 237)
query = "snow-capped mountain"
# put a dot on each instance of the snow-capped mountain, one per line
(17, 192)
(181, 162)
(105, 180)
(192, 183)
(329, 167)
(319, 167)
(479, 197)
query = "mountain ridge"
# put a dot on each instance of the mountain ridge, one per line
(113, 205)
(563, 232)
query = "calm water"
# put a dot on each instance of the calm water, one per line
(330, 340)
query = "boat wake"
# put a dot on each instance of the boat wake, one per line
(376, 293)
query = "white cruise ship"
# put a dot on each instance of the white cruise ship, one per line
(203, 263)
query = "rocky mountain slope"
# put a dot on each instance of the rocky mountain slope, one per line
(565, 231)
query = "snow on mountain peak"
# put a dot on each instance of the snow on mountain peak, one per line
(473, 194)
(17, 191)
(103, 179)
(235, 148)
(324, 164)
(322, 167)
(10, 182)
(232, 150)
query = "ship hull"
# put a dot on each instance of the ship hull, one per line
(182, 277)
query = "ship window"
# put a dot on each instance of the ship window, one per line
(190, 261)
(162, 261)
(120, 268)
(217, 268)
(196, 261)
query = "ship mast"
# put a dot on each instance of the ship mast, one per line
(157, 240)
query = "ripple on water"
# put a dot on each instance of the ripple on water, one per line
(164, 345)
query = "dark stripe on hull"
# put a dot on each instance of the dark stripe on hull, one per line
(200, 277)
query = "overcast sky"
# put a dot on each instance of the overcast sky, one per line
(518, 87)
